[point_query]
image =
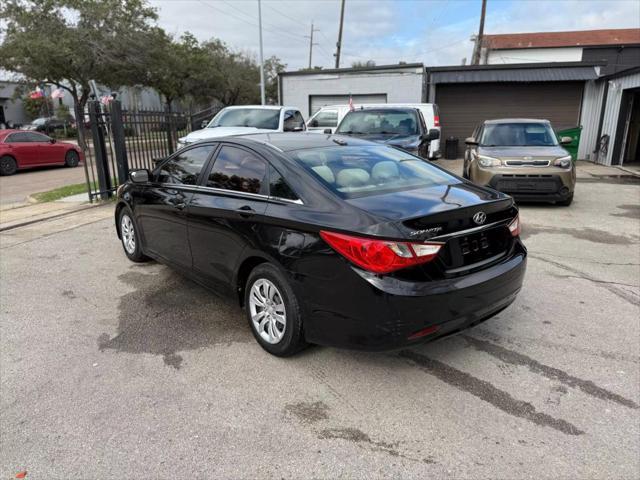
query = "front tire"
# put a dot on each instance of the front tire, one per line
(8, 165)
(71, 159)
(130, 238)
(273, 311)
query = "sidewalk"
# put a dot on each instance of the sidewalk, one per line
(36, 212)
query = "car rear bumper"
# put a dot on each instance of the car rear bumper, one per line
(370, 312)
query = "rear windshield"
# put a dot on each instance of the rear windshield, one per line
(247, 117)
(356, 171)
(398, 122)
(518, 135)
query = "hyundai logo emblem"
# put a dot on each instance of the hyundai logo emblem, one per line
(480, 218)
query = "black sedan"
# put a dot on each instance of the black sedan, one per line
(328, 239)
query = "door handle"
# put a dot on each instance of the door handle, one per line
(246, 211)
(178, 202)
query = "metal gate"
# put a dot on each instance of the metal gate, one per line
(116, 140)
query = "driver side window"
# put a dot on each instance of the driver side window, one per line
(184, 169)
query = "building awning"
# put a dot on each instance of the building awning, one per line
(503, 73)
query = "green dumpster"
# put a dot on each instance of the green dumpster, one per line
(572, 147)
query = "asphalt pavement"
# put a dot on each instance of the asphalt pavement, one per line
(111, 369)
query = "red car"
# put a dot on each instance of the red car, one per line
(21, 149)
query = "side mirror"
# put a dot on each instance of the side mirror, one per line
(204, 124)
(471, 141)
(52, 140)
(328, 131)
(566, 140)
(313, 123)
(139, 176)
(433, 134)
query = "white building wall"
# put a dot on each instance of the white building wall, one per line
(532, 55)
(612, 109)
(590, 118)
(400, 86)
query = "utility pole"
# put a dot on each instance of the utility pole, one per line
(339, 44)
(311, 44)
(477, 51)
(261, 55)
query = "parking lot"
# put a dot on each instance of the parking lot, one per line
(117, 370)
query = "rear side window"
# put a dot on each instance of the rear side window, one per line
(184, 169)
(278, 187)
(325, 118)
(357, 171)
(238, 170)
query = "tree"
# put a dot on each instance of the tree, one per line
(234, 76)
(176, 67)
(272, 67)
(37, 107)
(70, 42)
(359, 64)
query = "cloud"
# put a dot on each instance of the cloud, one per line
(435, 32)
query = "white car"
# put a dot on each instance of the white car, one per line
(329, 117)
(240, 120)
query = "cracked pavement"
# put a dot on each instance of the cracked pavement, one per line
(114, 370)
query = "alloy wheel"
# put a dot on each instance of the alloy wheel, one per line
(267, 309)
(128, 234)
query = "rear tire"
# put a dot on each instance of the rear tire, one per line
(130, 237)
(567, 202)
(71, 159)
(273, 311)
(8, 165)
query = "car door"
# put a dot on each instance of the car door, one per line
(23, 148)
(161, 210)
(46, 152)
(468, 152)
(322, 120)
(425, 145)
(225, 210)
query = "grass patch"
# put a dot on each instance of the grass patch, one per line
(61, 192)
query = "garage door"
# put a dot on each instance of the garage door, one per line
(318, 101)
(463, 106)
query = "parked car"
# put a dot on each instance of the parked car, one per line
(329, 117)
(521, 157)
(20, 150)
(240, 120)
(327, 239)
(400, 127)
(49, 124)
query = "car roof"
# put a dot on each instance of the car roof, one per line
(385, 109)
(262, 107)
(517, 120)
(289, 141)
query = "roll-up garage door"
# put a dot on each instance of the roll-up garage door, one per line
(465, 105)
(318, 101)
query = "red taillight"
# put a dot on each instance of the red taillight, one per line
(514, 226)
(436, 120)
(381, 256)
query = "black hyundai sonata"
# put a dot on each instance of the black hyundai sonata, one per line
(327, 239)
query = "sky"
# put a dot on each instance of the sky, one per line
(434, 32)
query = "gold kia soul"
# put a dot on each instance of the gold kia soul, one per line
(522, 158)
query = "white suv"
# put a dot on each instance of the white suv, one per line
(329, 117)
(243, 119)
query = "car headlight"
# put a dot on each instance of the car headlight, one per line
(485, 161)
(563, 162)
